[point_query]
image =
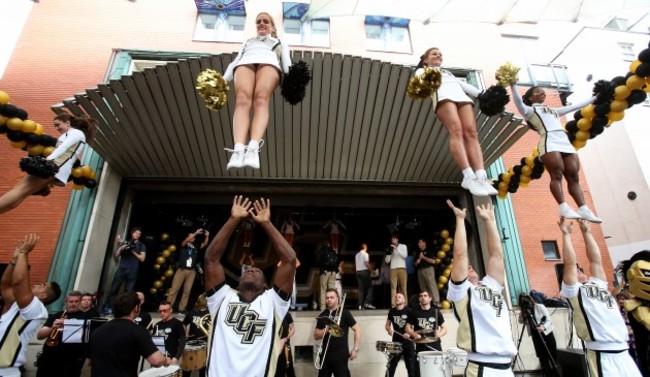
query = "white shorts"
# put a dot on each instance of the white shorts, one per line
(452, 92)
(555, 141)
(609, 364)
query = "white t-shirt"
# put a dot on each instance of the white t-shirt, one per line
(17, 328)
(360, 261)
(245, 335)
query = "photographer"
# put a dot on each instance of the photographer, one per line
(129, 254)
(185, 268)
(537, 319)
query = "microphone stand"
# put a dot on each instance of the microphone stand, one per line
(530, 317)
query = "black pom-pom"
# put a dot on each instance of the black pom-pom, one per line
(577, 115)
(16, 135)
(571, 126)
(294, 84)
(604, 92)
(644, 55)
(9, 110)
(38, 166)
(599, 121)
(602, 109)
(33, 139)
(4, 129)
(22, 114)
(494, 100)
(596, 130)
(618, 81)
(636, 97)
(91, 184)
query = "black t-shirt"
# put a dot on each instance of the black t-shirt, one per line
(197, 319)
(65, 349)
(92, 313)
(338, 346)
(144, 319)
(286, 322)
(426, 319)
(174, 334)
(399, 319)
(127, 260)
(115, 348)
(427, 253)
(187, 257)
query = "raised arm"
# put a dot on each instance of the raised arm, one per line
(459, 268)
(20, 279)
(567, 109)
(214, 274)
(523, 109)
(5, 284)
(206, 239)
(495, 265)
(570, 276)
(593, 252)
(284, 276)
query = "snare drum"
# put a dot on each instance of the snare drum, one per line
(458, 357)
(195, 356)
(170, 371)
(388, 347)
(434, 364)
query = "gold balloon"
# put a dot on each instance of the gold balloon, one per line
(48, 151)
(35, 150)
(18, 144)
(582, 135)
(577, 144)
(163, 278)
(156, 266)
(525, 179)
(86, 171)
(615, 116)
(588, 111)
(635, 82)
(535, 152)
(618, 105)
(445, 304)
(441, 254)
(584, 124)
(3, 119)
(436, 261)
(446, 272)
(166, 253)
(29, 126)
(171, 248)
(158, 284)
(77, 187)
(634, 65)
(449, 241)
(506, 178)
(445, 247)
(444, 233)
(4, 98)
(40, 130)
(440, 285)
(77, 172)
(14, 124)
(160, 260)
(164, 236)
(526, 170)
(502, 195)
(442, 280)
(169, 273)
(530, 161)
(153, 291)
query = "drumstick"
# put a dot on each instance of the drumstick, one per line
(402, 335)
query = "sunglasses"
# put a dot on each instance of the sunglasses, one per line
(164, 310)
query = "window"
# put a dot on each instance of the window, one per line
(388, 34)
(221, 20)
(627, 50)
(309, 32)
(551, 251)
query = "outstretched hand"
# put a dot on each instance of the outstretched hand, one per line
(240, 207)
(486, 212)
(584, 226)
(565, 226)
(459, 213)
(27, 244)
(261, 211)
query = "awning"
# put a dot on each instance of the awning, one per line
(356, 124)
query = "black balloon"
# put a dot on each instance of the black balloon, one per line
(515, 179)
(643, 70)
(48, 141)
(3, 129)
(79, 180)
(538, 169)
(33, 139)
(523, 161)
(16, 135)
(22, 114)
(577, 115)
(571, 126)
(599, 121)
(595, 131)
(602, 109)
(644, 55)
(512, 187)
(636, 97)
(571, 136)
(91, 183)
(618, 81)
(517, 169)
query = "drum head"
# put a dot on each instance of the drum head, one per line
(170, 371)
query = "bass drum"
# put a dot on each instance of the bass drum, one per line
(434, 364)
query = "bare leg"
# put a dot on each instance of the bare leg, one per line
(555, 166)
(447, 112)
(244, 87)
(571, 170)
(470, 136)
(266, 80)
(26, 187)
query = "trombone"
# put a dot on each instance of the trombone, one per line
(334, 329)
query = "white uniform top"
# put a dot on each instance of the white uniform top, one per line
(360, 261)
(17, 328)
(453, 89)
(596, 315)
(68, 149)
(245, 335)
(260, 50)
(484, 321)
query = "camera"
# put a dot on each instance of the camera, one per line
(127, 247)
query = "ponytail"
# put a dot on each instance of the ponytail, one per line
(84, 124)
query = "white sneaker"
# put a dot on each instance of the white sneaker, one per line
(585, 213)
(474, 186)
(487, 186)
(236, 160)
(252, 156)
(568, 213)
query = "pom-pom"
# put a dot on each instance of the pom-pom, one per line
(213, 88)
(493, 101)
(294, 84)
(424, 85)
(38, 166)
(507, 74)
(604, 92)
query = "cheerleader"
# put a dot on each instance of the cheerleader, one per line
(75, 132)
(455, 109)
(257, 70)
(555, 149)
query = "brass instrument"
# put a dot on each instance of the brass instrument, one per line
(53, 339)
(335, 330)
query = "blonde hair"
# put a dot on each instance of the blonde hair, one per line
(274, 33)
(424, 56)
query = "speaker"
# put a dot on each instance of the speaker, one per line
(572, 362)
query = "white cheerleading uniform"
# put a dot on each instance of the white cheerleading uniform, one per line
(484, 323)
(260, 50)
(68, 150)
(245, 335)
(546, 121)
(17, 328)
(452, 89)
(600, 325)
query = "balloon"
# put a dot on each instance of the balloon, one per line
(160, 260)
(166, 253)
(535, 152)
(86, 171)
(449, 241)
(618, 105)
(14, 124)
(441, 254)
(77, 172)
(442, 280)
(577, 144)
(153, 291)
(171, 248)
(506, 177)
(582, 135)
(635, 82)
(444, 233)
(164, 236)
(615, 116)
(4, 98)
(588, 111)
(524, 180)
(157, 284)
(18, 144)
(35, 150)
(163, 278)
(445, 248)
(621, 92)
(446, 272)
(29, 126)
(39, 129)
(156, 266)
(440, 285)
(445, 304)
(634, 65)
(530, 161)
(502, 194)
(584, 124)
(169, 273)
(526, 171)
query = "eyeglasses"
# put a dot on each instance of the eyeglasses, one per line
(164, 310)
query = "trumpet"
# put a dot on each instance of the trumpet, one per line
(53, 339)
(334, 330)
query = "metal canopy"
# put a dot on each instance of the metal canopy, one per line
(355, 124)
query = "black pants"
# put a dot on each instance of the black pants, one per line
(58, 364)
(408, 353)
(365, 287)
(335, 364)
(547, 354)
(284, 367)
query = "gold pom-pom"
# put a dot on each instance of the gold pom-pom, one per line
(507, 74)
(213, 88)
(424, 85)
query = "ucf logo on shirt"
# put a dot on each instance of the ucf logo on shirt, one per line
(491, 297)
(596, 293)
(245, 322)
(399, 321)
